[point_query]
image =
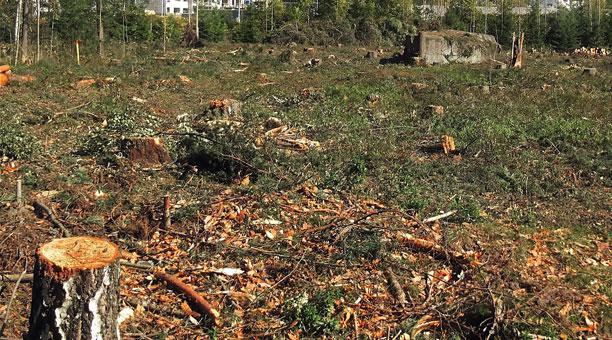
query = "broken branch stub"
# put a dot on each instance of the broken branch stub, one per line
(75, 293)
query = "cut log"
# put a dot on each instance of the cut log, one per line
(75, 293)
(4, 79)
(147, 151)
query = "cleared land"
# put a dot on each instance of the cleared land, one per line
(316, 232)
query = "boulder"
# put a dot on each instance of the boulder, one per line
(448, 46)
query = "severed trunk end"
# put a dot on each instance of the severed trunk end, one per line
(75, 293)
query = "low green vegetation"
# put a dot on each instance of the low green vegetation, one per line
(530, 177)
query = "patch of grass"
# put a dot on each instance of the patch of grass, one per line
(362, 245)
(79, 176)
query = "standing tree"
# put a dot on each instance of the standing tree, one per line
(100, 28)
(18, 20)
(25, 31)
(534, 31)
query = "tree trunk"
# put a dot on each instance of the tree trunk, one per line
(25, 32)
(75, 294)
(100, 29)
(18, 14)
(37, 30)
(197, 19)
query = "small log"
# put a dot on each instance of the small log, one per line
(75, 293)
(4, 79)
(437, 251)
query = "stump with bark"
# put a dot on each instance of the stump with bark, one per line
(147, 151)
(75, 293)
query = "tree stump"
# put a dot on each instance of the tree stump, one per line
(75, 293)
(147, 151)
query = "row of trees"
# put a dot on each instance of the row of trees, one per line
(53, 24)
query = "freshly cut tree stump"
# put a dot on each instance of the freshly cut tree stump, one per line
(75, 294)
(147, 151)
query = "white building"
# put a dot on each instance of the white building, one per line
(181, 7)
(176, 7)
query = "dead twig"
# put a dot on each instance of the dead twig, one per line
(40, 207)
(8, 306)
(71, 109)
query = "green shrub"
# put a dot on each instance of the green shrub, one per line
(15, 143)
(316, 315)
(122, 122)
(214, 25)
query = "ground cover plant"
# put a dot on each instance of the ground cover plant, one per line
(308, 231)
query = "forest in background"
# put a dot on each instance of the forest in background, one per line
(53, 29)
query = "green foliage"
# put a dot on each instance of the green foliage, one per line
(15, 142)
(316, 315)
(122, 122)
(535, 26)
(503, 25)
(321, 22)
(461, 15)
(563, 32)
(175, 26)
(252, 27)
(214, 25)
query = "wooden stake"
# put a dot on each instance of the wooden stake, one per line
(167, 219)
(18, 193)
(78, 54)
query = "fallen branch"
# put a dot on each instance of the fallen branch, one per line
(439, 217)
(437, 251)
(203, 305)
(71, 109)
(40, 207)
(182, 60)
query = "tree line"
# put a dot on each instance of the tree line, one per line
(29, 28)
